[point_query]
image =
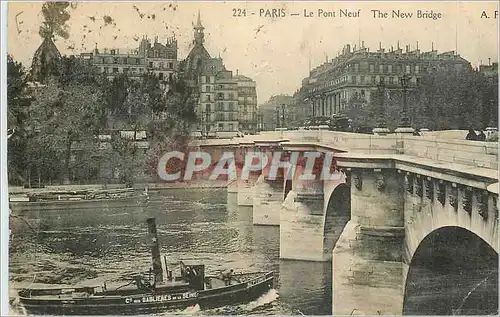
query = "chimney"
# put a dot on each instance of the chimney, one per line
(155, 250)
(489, 61)
(432, 46)
(407, 48)
(348, 47)
(363, 44)
(236, 72)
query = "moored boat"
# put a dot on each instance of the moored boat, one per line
(161, 292)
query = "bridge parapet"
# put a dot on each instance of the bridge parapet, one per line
(472, 153)
(441, 149)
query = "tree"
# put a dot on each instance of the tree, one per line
(68, 110)
(123, 159)
(18, 101)
(180, 103)
(443, 99)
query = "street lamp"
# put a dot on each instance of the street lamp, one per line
(277, 117)
(381, 128)
(405, 122)
(381, 92)
(283, 115)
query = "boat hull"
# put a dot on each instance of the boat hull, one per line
(149, 303)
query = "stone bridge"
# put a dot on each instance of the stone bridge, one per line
(399, 203)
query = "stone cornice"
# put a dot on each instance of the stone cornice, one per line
(311, 147)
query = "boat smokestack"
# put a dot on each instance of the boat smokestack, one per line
(155, 250)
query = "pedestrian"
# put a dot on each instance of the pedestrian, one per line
(481, 136)
(471, 136)
(227, 276)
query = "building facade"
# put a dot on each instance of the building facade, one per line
(247, 104)
(276, 113)
(490, 70)
(154, 58)
(220, 108)
(356, 72)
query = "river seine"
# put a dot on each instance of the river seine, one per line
(103, 242)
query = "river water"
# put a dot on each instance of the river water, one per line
(105, 243)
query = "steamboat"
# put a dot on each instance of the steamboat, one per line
(160, 292)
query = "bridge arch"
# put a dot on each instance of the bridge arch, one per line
(337, 215)
(452, 271)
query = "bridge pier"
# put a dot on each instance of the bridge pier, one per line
(246, 190)
(301, 223)
(367, 259)
(267, 201)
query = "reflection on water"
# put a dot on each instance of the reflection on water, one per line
(104, 243)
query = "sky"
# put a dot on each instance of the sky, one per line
(274, 51)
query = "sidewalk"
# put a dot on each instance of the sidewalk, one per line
(18, 190)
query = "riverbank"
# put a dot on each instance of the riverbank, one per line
(199, 184)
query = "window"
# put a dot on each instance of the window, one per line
(125, 70)
(207, 97)
(151, 64)
(106, 69)
(220, 105)
(230, 127)
(399, 68)
(161, 65)
(418, 81)
(373, 80)
(362, 79)
(356, 68)
(220, 125)
(137, 61)
(353, 79)
(231, 106)
(170, 76)
(372, 68)
(203, 79)
(115, 60)
(115, 70)
(231, 96)
(417, 69)
(160, 76)
(389, 68)
(170, 65)
(208, 108)
(382, 79)
(408, 69)
(391, 80)
(220, 96)
(362, 92)
(209, 79)
(381, 69)
(207, 88)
